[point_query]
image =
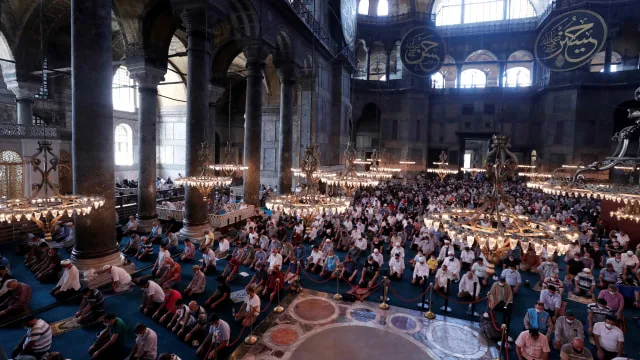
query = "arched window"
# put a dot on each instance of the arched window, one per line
(437, 80)
(11, 174)
(363, 7)
(597, 63)
(517, 77)
(123, 141)
(383, 7)
(450, 12)
(473, 78)
(123, 91)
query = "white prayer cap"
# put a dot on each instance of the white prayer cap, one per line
(451, 253)
(630, 253)
(65, 262)
(586, 270)
(376, 251)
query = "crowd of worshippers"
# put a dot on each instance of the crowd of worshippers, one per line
(374, 233)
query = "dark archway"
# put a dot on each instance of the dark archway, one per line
(368, 123)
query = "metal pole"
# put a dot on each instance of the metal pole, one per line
(384, 305)
(472, 308)
(446, 307)
(429, 315)
(423, 305)
(337, 296)
(278, 309)
(251, 339)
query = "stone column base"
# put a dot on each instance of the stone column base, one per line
(145, 225)
(194, 232)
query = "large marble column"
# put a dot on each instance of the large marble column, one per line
(92, 123)
(198, 67)
(285, 151)
(148, 78)
(25, 92)
(253, 123)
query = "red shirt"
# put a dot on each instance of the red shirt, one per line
(174, 270)
(170, 300)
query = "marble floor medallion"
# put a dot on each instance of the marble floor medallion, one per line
(313, 310)
(456, 340)
(282, 335)
(362, 314)
(404, 323)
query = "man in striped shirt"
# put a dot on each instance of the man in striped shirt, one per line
(37, 341)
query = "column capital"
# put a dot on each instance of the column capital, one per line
(255, 52)
(195, 18)
(23, 90)
(146, 75)
(215, 92)
(287, 71)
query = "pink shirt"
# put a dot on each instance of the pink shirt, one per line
(532, 349)
(615, 302)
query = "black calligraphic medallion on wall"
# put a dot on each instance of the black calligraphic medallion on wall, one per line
(570, 40)
(349, 15)
(422, 51)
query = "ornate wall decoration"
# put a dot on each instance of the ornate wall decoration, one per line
(11, 174)
(570, 40)
(422, 51)
(349, 15)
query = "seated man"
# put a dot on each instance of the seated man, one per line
(146, 346)
(330, 265)
(120, 278)
(189, 252)
(453, 265)
(230, 271)
(501, 299)
(552, 301)
(110, 342)
(92, 306)
(315, 260)
(291, 276)
(180, 318)
(416, 259)
(555, 281)
(250, 308)
(537, 318)
(443, 278)
(170, 277)
(195, 325)
(209, 261)
(50, 269)
(17, 300)
(215, 345)
(197, 284)
(512, 277)
(370, 273)
(259, 257)
(133, 245)
(146, 249)
(468, 284)
(567, 328)
(156, 233)
(131, 227)
(221, 297)
(607, 276)
(152, 297)
(530, 262)
(275, 283)
(479, 268)
(349, 269)
(168, 308)
(172, 242)
(36, 255)
(163, 256)
(396, 267)
(547, 269)
(4, 279)
(585, 284)
(420, 273)
(36, 342)
(69, 284)
(530, 344)
(609, 338)
(274, 259)
(223, 248)
(575, 351)
(209, 240)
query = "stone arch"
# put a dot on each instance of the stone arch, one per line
(284, 47)
(486, 62)
(244, 18)
(158, 32)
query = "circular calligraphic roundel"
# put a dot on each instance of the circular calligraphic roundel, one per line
(570, 40)
(422, 51)
(349, 17)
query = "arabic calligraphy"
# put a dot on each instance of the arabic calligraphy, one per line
(571, 40)
(422, 51)
(349, 19)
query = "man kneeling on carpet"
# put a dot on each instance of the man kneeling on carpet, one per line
(36, 342)
(110, 342)
(195, 324)
(69, 283)
(91, 307)
(146, 347)
(216, 344)
(250, 309)
(120, 278)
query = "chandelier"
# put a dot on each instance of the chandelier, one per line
(309, 203)
(494, 226)
(443, 169)
(349, 180)
(377, 170)
(204, 182)
(48, 210)
(627, 196)
(228, 166)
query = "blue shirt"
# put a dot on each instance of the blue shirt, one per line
(331, 263)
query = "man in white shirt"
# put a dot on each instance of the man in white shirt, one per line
(163, 254)
(453, 265)
(69, 283)
(609, 338)
(629, 259)
(512, 277)
(397, 249)
(315, 260)
(209, 261)
(275, 259)
(223, 248)
(253, 237)
(131, 226)
(479, 269)
(146, 346)
(466, 258)
(622, 238)
(37, 341)
(120, 278)
(396, 267)
(378, 257)
(250, 308)
(466, 286)
(298, 228)
(420, 272)
(444, 251)
(215, 345)
(443, 276)
(152, 296)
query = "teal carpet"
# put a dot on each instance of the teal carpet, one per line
(74, 344)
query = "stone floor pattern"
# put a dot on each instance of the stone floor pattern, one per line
(315, 326)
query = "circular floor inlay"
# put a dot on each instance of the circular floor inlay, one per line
(284, 336)
(454, 339)
(357, 343)
(314, 309)
(404, 323)
(362, 314)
